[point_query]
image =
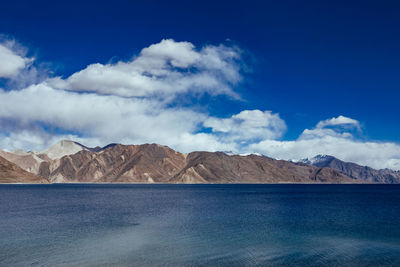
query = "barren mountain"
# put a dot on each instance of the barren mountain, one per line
(356, 171)
(30, 161)
(27, 161)
(63, 148)
(116, 163)
(11, 173)
(154, 163)
(68, 161)
(218, 167)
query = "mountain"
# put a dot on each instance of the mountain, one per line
(11, 173)
(30, 161)
(68, 161)
(218, 167)
(150, 163)
(116, 163)
(63, 148)
(26, 160)
(355, 171)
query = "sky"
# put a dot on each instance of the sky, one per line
(287, 79)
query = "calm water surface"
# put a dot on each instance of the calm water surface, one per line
(206, 225)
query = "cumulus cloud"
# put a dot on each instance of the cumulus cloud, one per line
(11, 60)
(341, 126)
(336, 127)
(162, 70)
(126, 102)
(110, 117)
(35, 139)
(248, 126)
(335, 142)
(339, 121)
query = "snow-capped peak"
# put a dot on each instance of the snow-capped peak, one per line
(315, 160)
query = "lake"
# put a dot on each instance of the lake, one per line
(199, 225)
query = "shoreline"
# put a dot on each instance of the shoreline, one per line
(277, 183)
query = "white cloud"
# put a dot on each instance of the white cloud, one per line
(373, 154)
(333, 142)
(179, 54)
(336, 127)
(162, 70)
(248, 125)
(11, 62)
(37, 139)
(339, 121)
(322, 132)
(110, 117)
(126, 102)
(189, 142)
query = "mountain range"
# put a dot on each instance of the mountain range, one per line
(355, 171)
(71, 162)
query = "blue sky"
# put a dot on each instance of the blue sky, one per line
(304, 61)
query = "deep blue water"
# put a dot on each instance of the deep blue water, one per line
(191, 225)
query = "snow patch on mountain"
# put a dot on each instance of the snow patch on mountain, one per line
(315, 160)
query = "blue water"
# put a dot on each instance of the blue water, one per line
(206, 225)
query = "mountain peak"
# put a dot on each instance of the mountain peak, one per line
(317, 159)
(354, 170)
(63, 148)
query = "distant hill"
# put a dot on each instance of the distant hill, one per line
(11, 173)
(68, 161)
(218, 167)
(152, 163)
(355, 171)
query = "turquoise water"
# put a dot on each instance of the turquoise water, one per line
(200, 225)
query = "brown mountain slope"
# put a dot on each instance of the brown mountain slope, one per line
(117, 163)
(12, 173)
(160, 164)
(31, 161)
(220, 168)
(27, 161)
(356, 171)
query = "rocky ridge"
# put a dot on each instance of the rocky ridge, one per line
(152, 163)
(71, 162)
(11, 173)
(355, 171)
